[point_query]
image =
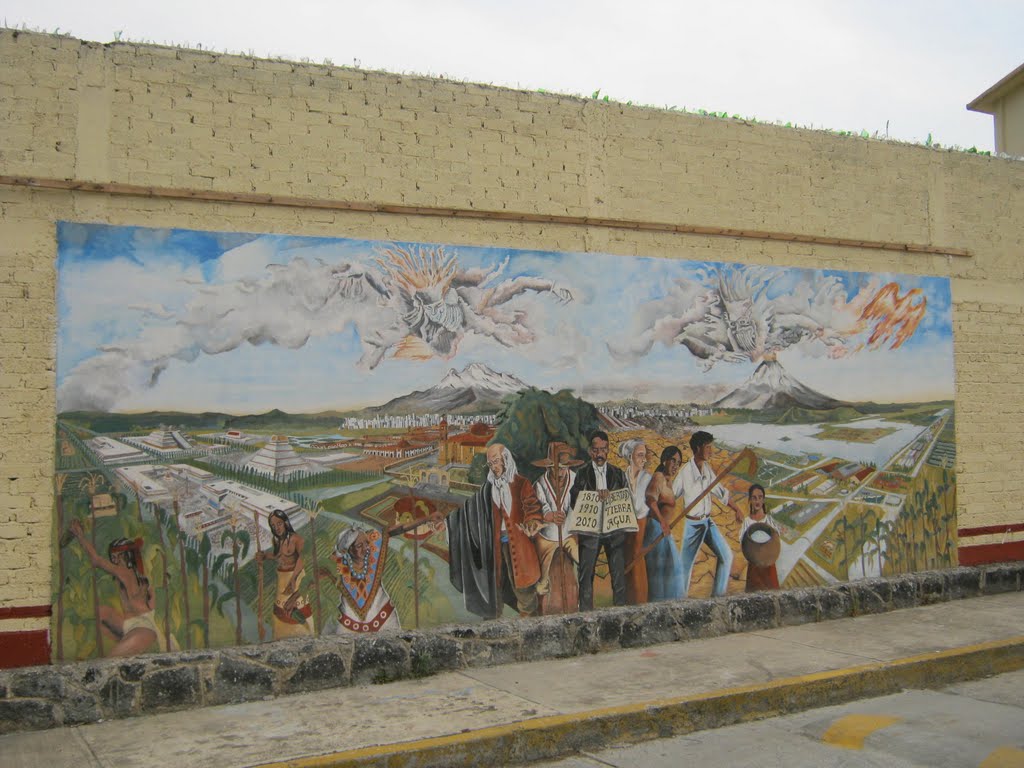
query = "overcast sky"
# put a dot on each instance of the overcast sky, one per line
(902, 67)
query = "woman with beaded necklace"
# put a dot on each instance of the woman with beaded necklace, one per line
(365, 606)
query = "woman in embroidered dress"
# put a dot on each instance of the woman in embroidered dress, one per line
(365, 606)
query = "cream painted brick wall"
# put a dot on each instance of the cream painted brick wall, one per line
(159, 116)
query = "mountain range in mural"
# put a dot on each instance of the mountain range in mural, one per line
(476, 388)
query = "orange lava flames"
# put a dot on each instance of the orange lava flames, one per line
(894, 317)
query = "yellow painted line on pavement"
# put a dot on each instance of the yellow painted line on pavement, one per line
(849, 732)
(1004, 757)
(556, 735)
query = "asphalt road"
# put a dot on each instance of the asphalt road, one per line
(978, 724)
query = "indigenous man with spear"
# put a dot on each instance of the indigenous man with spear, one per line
(292, 613)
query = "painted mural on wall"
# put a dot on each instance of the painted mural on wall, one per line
(264, 436)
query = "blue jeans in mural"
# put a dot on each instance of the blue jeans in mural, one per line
(664, 567)
(706, 532)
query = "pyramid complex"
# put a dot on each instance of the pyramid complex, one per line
(277, 459)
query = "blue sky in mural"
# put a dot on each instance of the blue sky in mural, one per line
(175, 319)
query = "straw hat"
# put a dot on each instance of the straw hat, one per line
(558, 453)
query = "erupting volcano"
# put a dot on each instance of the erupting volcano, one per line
(770, 386)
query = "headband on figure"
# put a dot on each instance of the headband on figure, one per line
(133, 546)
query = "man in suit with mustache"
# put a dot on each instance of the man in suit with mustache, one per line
(602, 477)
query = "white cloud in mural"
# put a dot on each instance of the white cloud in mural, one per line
(247, 261)
(95, 295)
(410, 304)
(304, 323)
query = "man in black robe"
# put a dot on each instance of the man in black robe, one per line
(485, 559)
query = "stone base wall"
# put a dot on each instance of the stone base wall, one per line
(86, 692)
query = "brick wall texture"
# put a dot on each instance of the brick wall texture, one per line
(148, 115)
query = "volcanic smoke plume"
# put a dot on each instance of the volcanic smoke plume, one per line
(740, 314)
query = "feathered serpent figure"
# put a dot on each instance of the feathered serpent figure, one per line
(413, 303)
(419, 304)
(732, 315)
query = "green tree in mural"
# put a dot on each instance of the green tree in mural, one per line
(183, 569)
(532, 418)
(893, 555)
(860, 534)
(161, 549)
(76, 593)
(240, 540)
(873, 546)
(91, 484)
(202, 551)
(194, 565)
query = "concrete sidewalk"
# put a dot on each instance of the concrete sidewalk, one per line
(520, 712)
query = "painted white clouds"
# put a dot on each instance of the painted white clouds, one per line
(280, 294)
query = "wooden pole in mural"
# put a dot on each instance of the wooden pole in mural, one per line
(313, 512)
(59, 481)
(416, 579)
(415, 565)
(559, 489)
(184, 574)
(259, 581)
(745, 454)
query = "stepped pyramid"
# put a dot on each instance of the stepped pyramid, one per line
(166, 440)
(277, 459)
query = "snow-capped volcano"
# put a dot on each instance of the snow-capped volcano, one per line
(770, 386)
(479, 376)
(475, 388)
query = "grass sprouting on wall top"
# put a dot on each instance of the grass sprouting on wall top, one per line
(120, 39)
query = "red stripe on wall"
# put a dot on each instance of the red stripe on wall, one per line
(987, 529)
(24, 649)
(26, 612)
(983, 554)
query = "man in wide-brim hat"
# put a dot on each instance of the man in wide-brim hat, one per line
(553, 494)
